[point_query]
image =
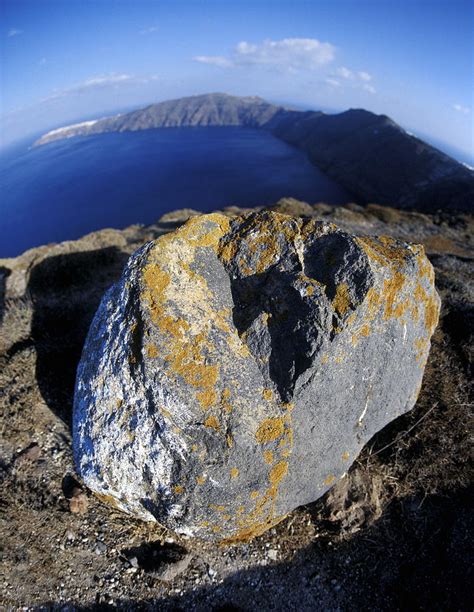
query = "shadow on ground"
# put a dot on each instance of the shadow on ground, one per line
(65, 291)
(418, 557)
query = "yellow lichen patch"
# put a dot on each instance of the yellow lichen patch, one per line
(324, 359)
(278, 472)
(267, 394)
(234, 472)
(268, 457)
(226, 517)
(197, 231)
(424, 264)
(212, 422)
(384, 250)
(342, 300)
(119, 403)
(229, 440)
(201, 480)
(270, 429)
(249, 533)
(345, 456)
(225, 404)
(218, 508)
(151, 351)
(165, 413)
(363, 332)
(421, 346)
(194, 448)
(207, 397)
(178, 489)
(392, 289)
(108, 499)
(254, 494)
(309, 290)
(430, 306)
(351, 319)
(329, 479)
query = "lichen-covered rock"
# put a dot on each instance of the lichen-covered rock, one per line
(239, 366)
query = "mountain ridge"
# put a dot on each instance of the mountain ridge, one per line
(370, 155)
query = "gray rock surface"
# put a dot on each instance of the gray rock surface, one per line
(240, 364)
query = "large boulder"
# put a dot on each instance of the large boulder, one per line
(240, 364)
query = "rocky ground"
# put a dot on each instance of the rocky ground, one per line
(394, 534)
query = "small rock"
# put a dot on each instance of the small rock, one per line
(273, 554)
(78, 504)
(167, 573)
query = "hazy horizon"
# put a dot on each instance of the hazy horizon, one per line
(410, 61)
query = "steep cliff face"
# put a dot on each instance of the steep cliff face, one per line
(370, 155)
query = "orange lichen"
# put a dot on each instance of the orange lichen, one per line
(363, 332)
(151, 351)
(270, 429)
(267, 394)
(178, 489)
(392, 289)
(345, 456)
(342, 300)
(268, 456)
(278, 472)
(207, 397)
(329, 479)
(201, 480)
(234, 472)
(212, 422)
(249, 533)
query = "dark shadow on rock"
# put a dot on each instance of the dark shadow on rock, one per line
(293, 335)
(65, 291)
(4, 274)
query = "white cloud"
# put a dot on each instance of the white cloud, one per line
(291, 54)
(213, 60)
(344, 73)
(461, 109)
(149, 30)
(14, 32)
(332, 82)
(354, 79)
(349, 75)
(100, 82)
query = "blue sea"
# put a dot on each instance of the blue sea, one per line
(67, 188)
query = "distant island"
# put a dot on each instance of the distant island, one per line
(369, 155)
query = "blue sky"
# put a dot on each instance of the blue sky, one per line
(63, 60)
